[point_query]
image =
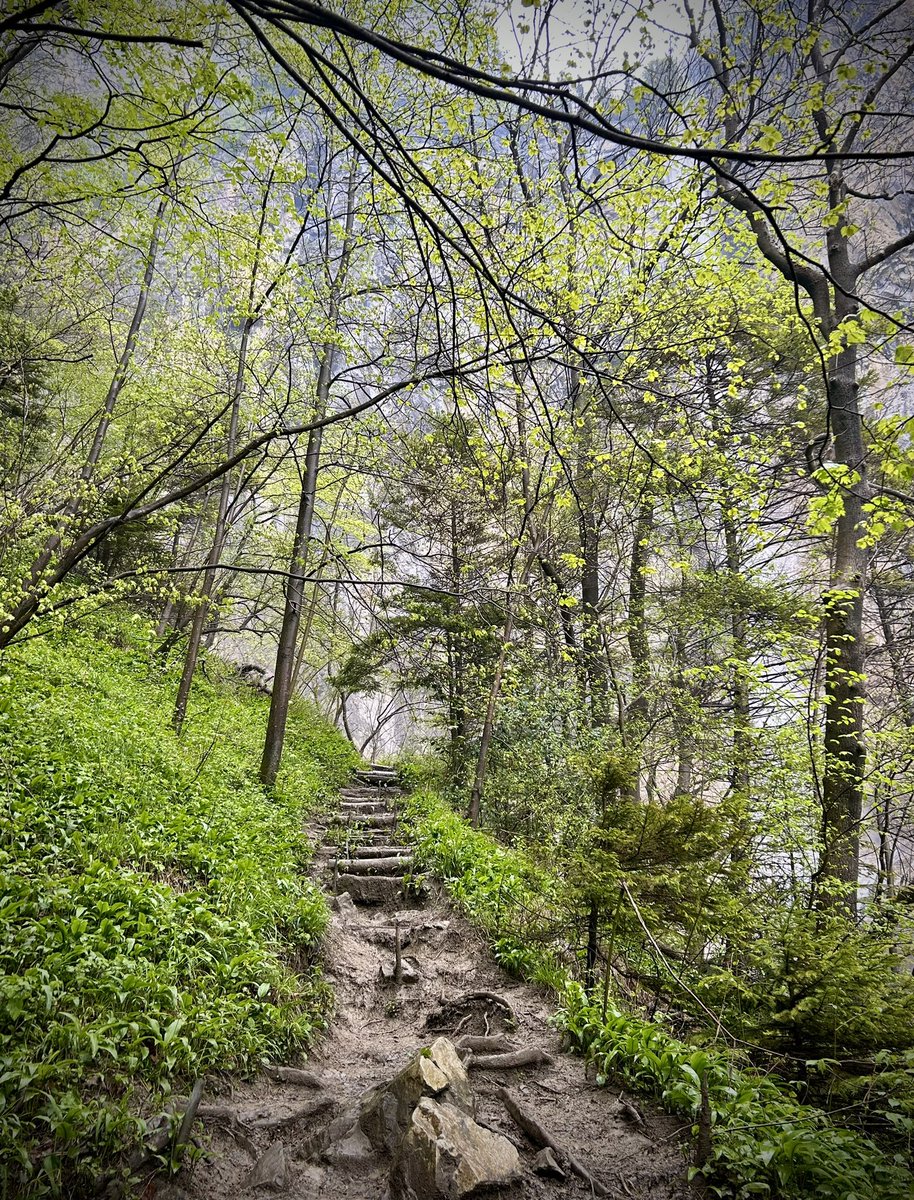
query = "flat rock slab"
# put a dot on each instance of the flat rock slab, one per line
(354, 1152)
(271, 1170)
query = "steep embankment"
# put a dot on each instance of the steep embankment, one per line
(156, 920)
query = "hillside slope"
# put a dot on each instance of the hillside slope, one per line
(156, 919)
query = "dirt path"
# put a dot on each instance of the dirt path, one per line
(380, 1025)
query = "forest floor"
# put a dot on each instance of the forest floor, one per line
(634, 1152)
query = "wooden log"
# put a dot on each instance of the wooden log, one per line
(516, 1058)
(479, 1044)
(382, 851)
(374, 866)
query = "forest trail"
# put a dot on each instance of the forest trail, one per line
(264, 1136)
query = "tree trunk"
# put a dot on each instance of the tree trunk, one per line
(739, 687)
(591, 642)
(845, 751)
(295, 585)
(295, 592)
(482, 760)
(209, 575)
(637, 712)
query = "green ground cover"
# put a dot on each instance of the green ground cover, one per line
(156, 919)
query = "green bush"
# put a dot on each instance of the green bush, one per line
(814, 984)
(156, 919)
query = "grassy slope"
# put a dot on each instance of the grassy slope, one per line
(153, 902)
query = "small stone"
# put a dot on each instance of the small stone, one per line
(311, 1179)
(270, 1170)
(343, 905)
(546, 1164)
(409, 972)
(353, 1152)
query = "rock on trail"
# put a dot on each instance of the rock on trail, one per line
(404, 1098)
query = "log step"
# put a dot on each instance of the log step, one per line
(373, 866)
(371, 889)
(381, 779)
(379, 820)
(369, 793)
(381, 851)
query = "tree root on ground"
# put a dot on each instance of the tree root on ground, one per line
(479, 1007)
(527, 1122)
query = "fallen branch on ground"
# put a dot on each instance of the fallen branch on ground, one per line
(517, 1058)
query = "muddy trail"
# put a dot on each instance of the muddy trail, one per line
(408, 971)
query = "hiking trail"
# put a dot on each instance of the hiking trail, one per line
(293, 1131)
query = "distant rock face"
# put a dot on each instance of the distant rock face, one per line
(446, 1154)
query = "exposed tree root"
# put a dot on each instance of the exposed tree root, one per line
(479, 1007)
(527, 1122)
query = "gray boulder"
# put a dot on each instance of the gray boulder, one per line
(446, 1154)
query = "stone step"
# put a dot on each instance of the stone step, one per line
(349, 807)
(371, 889)
(373, 866)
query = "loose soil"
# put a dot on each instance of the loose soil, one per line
(378, 1026)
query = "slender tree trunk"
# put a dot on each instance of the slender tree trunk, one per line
(591, 642)
(218, 544)
(295, 592)
(295, 585)
(638, 710)
(740, 779)
(488, 725)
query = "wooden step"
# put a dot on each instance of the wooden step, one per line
(371, 889)
(369, 793)
(381, 851)
(400, 865)
(378, 778)
(377, 820)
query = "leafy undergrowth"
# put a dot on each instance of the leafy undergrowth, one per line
(156, 921)
(764, 1142)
